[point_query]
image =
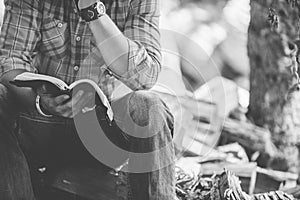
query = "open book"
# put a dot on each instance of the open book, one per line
(56, 86)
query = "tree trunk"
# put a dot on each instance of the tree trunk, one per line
(270, 50)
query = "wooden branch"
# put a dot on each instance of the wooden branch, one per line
(250, 136)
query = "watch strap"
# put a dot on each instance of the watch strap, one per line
(38, 107)
(91, 13)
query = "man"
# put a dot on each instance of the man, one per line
(70, 40)
(1, 11)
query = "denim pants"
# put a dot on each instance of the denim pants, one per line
(140, 133)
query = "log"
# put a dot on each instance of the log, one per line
(250, 136)
(259, 140)
(269, 180)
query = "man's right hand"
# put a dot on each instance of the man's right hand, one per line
(64, 105)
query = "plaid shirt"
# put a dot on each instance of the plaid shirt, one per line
(49, 37)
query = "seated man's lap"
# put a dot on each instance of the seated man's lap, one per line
(56, 141)
(52, 142)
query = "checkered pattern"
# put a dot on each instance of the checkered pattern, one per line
(48, 37)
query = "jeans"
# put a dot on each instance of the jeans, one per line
(140, 133)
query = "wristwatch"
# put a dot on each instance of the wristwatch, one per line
(93, 12)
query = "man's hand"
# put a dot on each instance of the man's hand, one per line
(85, 3)
(64, 105)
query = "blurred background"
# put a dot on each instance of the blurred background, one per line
(211, 37)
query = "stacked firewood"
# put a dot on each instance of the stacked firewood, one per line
(219, 187)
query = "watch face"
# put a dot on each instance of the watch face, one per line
(100, 8)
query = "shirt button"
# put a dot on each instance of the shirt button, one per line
(78, 38)
(59, 25)
(76, 68)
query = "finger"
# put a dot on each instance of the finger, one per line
(83, 101)
(74, 106)
(68, 114)
(63, 111)
(77, 97)
(81, 104)
(66, 108)
(61, 99)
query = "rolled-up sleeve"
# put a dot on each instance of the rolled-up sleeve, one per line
(19, 35)
(142, 31)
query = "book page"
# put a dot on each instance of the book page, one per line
(28, 76)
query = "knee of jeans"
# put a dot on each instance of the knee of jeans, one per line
(6, 107)
(146, 106)
(6, 103)
(3, 95)
(3, 89)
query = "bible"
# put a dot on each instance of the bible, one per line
(57, 87)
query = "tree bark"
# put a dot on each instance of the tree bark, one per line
(270, 48)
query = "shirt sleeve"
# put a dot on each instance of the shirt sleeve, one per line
(142, 32)
(19, 35)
